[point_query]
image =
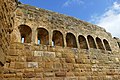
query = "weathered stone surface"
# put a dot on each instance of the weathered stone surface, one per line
(48, 74)
(38, 53)
(20, 65)
(6, 26)
(60, 74)
(29, 75)
(55, 58)
(49, 54)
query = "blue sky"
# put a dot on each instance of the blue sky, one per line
(98, 12)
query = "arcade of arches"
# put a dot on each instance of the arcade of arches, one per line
(58, 39)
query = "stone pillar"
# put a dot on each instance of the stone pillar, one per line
(64, 39)
(34, 36)
(103, 45)
(96, 43)
(87, 43)
(78, 45)
(50, 37)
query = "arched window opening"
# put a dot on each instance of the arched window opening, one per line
(57, 38)
(82, 42)
(26, 33)
(53, 43)
(91, 41)
(22, 39)
(99, 43)
(38, 40)
(118, 44)
(107, 46)
(43, 36)
(71, 40)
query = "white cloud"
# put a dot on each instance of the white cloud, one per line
(72, 2)
(110, 20)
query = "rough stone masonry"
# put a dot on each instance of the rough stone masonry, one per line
(45, 45)
(7, 7)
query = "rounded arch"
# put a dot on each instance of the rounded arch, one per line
(82, 42)
(91, 41)
(26, 33)
(99, 43)
(57, 38)
(42, 36)
(71, 40)
(107, 46)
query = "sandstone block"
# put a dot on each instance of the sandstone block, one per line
(71, 78)
(48, 74)
(69, 74)
(12, 59)
(9, 75)
(19, 65)
(49, 54)
(78, 61)
(57, 65)
(70, 60)
(38, 70)
(41, 64)
(22, 58)
(68, 55)
(60, 74)
(38, 53)
(58, 54)
(39, 75)
(12, 52)
(12, 64)
(32, 64)
(76, 65)
(29, 75)
(20, 52)
(19, 75)
(82, 78)
(27, 47)
(28, 52)
(49, 65)
(43, 47)
(19, 46)
(31, 59)
(29, 70)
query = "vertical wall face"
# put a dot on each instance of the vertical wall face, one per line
(45, 62)
(7, 8)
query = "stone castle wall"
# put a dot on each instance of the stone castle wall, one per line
(52, 24)
(49, 46)
(44, 62)
(7, 7)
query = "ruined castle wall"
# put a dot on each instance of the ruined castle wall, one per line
(42, 62)
(38, 18)
(6, 26)
(51, 46)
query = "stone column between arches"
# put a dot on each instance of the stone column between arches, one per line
(50, 37)
(64, 38)
(33, 40)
